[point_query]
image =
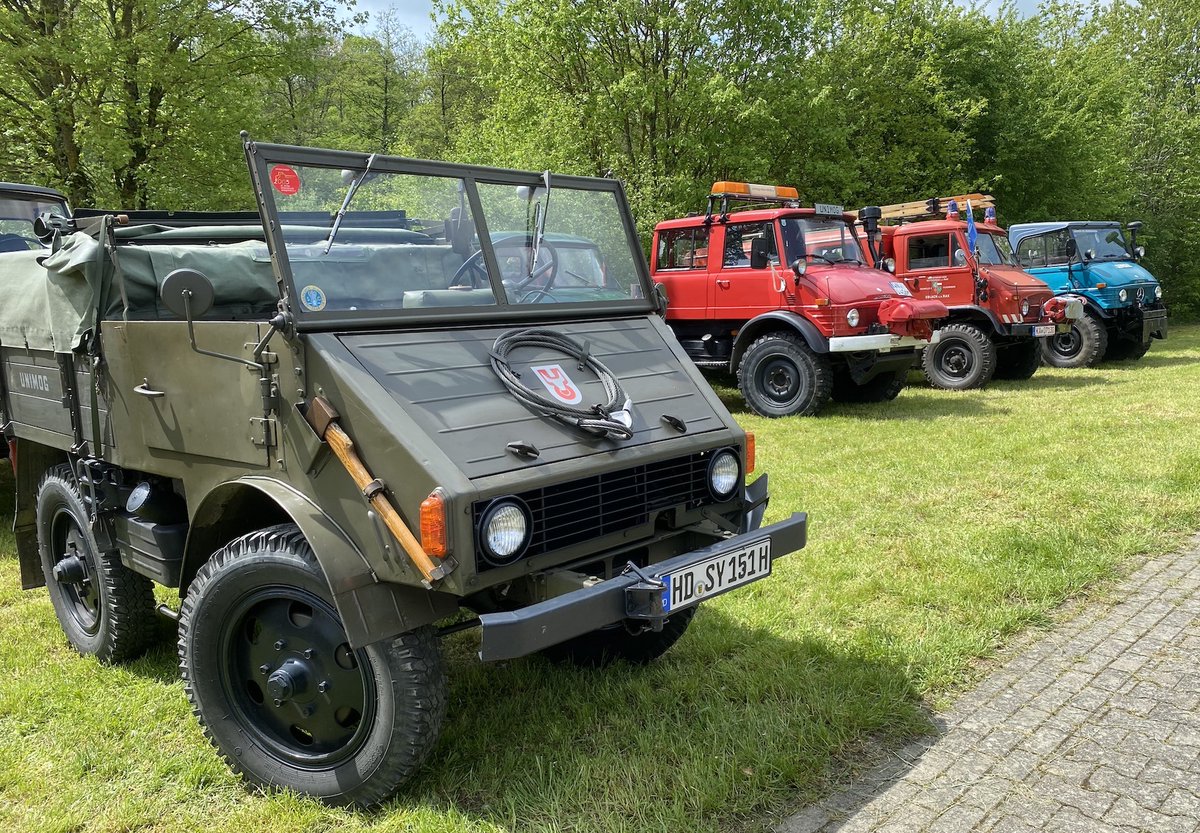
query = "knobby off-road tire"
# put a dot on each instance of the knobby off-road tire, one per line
(607, 645)
(1083, 346)
(105, 609)
(964, 358)
(779, 375)
(1120, 350)
(883, 388)
(1018, 361)
(280, 693)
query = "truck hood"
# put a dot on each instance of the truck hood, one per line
(848, 283)
(1118, 273)
(443, 381)
(1014, 278)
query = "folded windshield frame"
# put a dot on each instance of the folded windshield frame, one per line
(262, 158)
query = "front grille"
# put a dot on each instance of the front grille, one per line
(590, 507)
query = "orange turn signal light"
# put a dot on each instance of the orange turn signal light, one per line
(749, 452)
(750, 189)
(1102, 286)
(821, 302)
(434, 539)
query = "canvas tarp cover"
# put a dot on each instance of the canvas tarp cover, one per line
(51, 304)
(47, 305)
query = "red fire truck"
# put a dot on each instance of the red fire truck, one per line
(785, 298)
(997, 311)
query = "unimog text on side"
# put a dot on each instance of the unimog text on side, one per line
(415, 398)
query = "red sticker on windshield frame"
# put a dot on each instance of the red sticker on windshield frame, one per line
(285, 180)
(556, 380)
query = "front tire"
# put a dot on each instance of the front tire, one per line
(779, 375)
(1018, 361)
(1126, 350)
(963, 358)
(105, 609)
(281, 694)
(883, 388)
(607, 645)
(1083, 346)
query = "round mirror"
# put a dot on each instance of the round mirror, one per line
(187, 291)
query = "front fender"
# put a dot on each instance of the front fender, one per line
(777, 320)
(370, 609)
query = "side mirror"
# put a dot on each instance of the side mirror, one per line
(1112, 237)
(890, 264)
(758, 254)
(960, 257)
(187, 293)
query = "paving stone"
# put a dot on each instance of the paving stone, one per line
(1094, 727)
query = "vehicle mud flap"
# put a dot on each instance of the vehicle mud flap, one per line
(757, 498)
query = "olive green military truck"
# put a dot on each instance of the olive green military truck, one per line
(402, 399)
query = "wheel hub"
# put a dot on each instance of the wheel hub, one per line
(288, 680)
(956, 361)
(70, 570)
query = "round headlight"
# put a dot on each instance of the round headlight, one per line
(1122, 296)
(723, 473)
(504, 531)
(1158, 292)
(1024, 306)
(852, 318)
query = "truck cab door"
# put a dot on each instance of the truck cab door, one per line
(741, 291)
(680, 263)
(928, 265)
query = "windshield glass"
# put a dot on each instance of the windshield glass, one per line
(1104, 243)
(823, 240)
(994, 250)
(16, 221)
(408, 241)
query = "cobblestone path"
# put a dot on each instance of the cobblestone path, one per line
(1095, 728)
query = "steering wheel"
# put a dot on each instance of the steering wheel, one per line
(474, 266)
(547, 270)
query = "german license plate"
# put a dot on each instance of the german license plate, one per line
(1043, 330)
(715, 575)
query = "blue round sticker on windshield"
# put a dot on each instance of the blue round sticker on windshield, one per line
(313, 298)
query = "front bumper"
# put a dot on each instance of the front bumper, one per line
(1154, 324)
(634, 596)
(1061, 328)
(883, 342)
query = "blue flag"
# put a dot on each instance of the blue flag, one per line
(972, 234)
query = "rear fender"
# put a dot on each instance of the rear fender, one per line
(33, 460)
(370, 610)
(774, 321)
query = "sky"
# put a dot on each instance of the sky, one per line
(415, 13)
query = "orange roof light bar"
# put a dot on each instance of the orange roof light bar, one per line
(751, 189)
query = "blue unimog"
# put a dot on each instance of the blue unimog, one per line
(1094, 261)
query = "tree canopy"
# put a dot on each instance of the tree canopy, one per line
(1085, 110)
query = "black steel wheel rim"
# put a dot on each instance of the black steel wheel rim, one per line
(956, 360)
(292, 680)
(780, 380)
(82, 598)
(1067, 345)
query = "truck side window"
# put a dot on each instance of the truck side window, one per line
(740, 236)
(1031, 252)
(685, 248)
(929, 252)
(1056, 248)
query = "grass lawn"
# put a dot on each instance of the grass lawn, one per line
(940, 524)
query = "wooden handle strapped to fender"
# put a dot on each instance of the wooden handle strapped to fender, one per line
(324, 420)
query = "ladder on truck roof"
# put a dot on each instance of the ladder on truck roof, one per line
(933, 207)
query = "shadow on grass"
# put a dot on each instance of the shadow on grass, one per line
(733, 722)
(952, 404)
(1150, 360)
(1042, 381)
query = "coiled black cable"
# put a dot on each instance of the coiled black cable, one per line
(611, 419)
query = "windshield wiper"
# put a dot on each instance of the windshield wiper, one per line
(350, 192)
(539, 224)
(827, 259)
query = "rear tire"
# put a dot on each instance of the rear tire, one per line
(280, 693)
(1083, 346)
(1018, 361)
(105, 609)
(963, 358)
(607, 645)
(779, 375)
(883, 388)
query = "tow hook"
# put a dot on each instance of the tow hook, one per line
(70, 570)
